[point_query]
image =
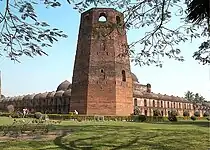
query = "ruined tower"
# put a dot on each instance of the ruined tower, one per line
(102, 82)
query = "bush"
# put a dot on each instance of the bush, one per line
(186, 113)
(156, 112)
(137, 110)
(154, 119)
(193, 118)
(38, 115)
(10, 109)
(173, 113)
(197, 114)
(208, 118)
(172, 118)
(206, 114)
(71, 114)
(139, 118)
(45, 117)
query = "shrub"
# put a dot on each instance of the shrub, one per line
(45, 117)
(208, 118)
(156, 112)
(17, 114)
(186, 113)
(193, 118)
(139, 118)
(206, 114)
(173, 113)
(172, 118)
(71, 114)
(10, 109)
(98, 118)
(137, 110)
(154, 119)
(38, 115)
(197, 114)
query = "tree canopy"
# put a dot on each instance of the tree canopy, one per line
(194, 97)
(22, 33)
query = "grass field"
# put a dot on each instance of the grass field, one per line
(110, 135)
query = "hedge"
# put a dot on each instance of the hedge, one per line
(136, 118)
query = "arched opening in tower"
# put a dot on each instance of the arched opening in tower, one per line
(102, 17)
(123, 75)
(118, 20)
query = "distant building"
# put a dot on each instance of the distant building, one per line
(102, 81)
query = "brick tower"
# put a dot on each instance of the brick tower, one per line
(102, 82)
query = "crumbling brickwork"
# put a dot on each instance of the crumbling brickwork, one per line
(102, 82)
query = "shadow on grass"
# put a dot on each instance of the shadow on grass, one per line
(72, 144)
(117, 136)
(58, 141)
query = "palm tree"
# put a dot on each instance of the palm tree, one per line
(196, 98)
(189, 96)
(198, 11)
(201, 99)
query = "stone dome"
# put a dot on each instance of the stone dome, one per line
(26, 97)
(63, 86)
(70, 86)
(20, 98)
(51, 94)
(59, 93)
(134, 77)
(37, 96)
(67, 93)
(43, 95)
(11, 98)
(31, 97)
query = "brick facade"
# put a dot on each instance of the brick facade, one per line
(102, 82)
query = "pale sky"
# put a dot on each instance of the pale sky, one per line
(47, 72)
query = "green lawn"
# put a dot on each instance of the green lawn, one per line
(185, 135)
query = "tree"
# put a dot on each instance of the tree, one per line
(137, 111)
(197, 114)
(156, 112)
(201, 99)
(186, 113)
(189, 96)
(10, 109)
(195, 98)
(22, 32)
(206, 114)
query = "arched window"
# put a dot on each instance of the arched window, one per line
(161, 113)
(174, 105)
(153, 103)
(168, 105)
(145, 112)
(158, 104)
(102, 17)
(161, 103)
(145, 102)
(123, 75)
(135, 102)
(118, 20)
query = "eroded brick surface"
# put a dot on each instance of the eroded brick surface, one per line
(97, 83)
